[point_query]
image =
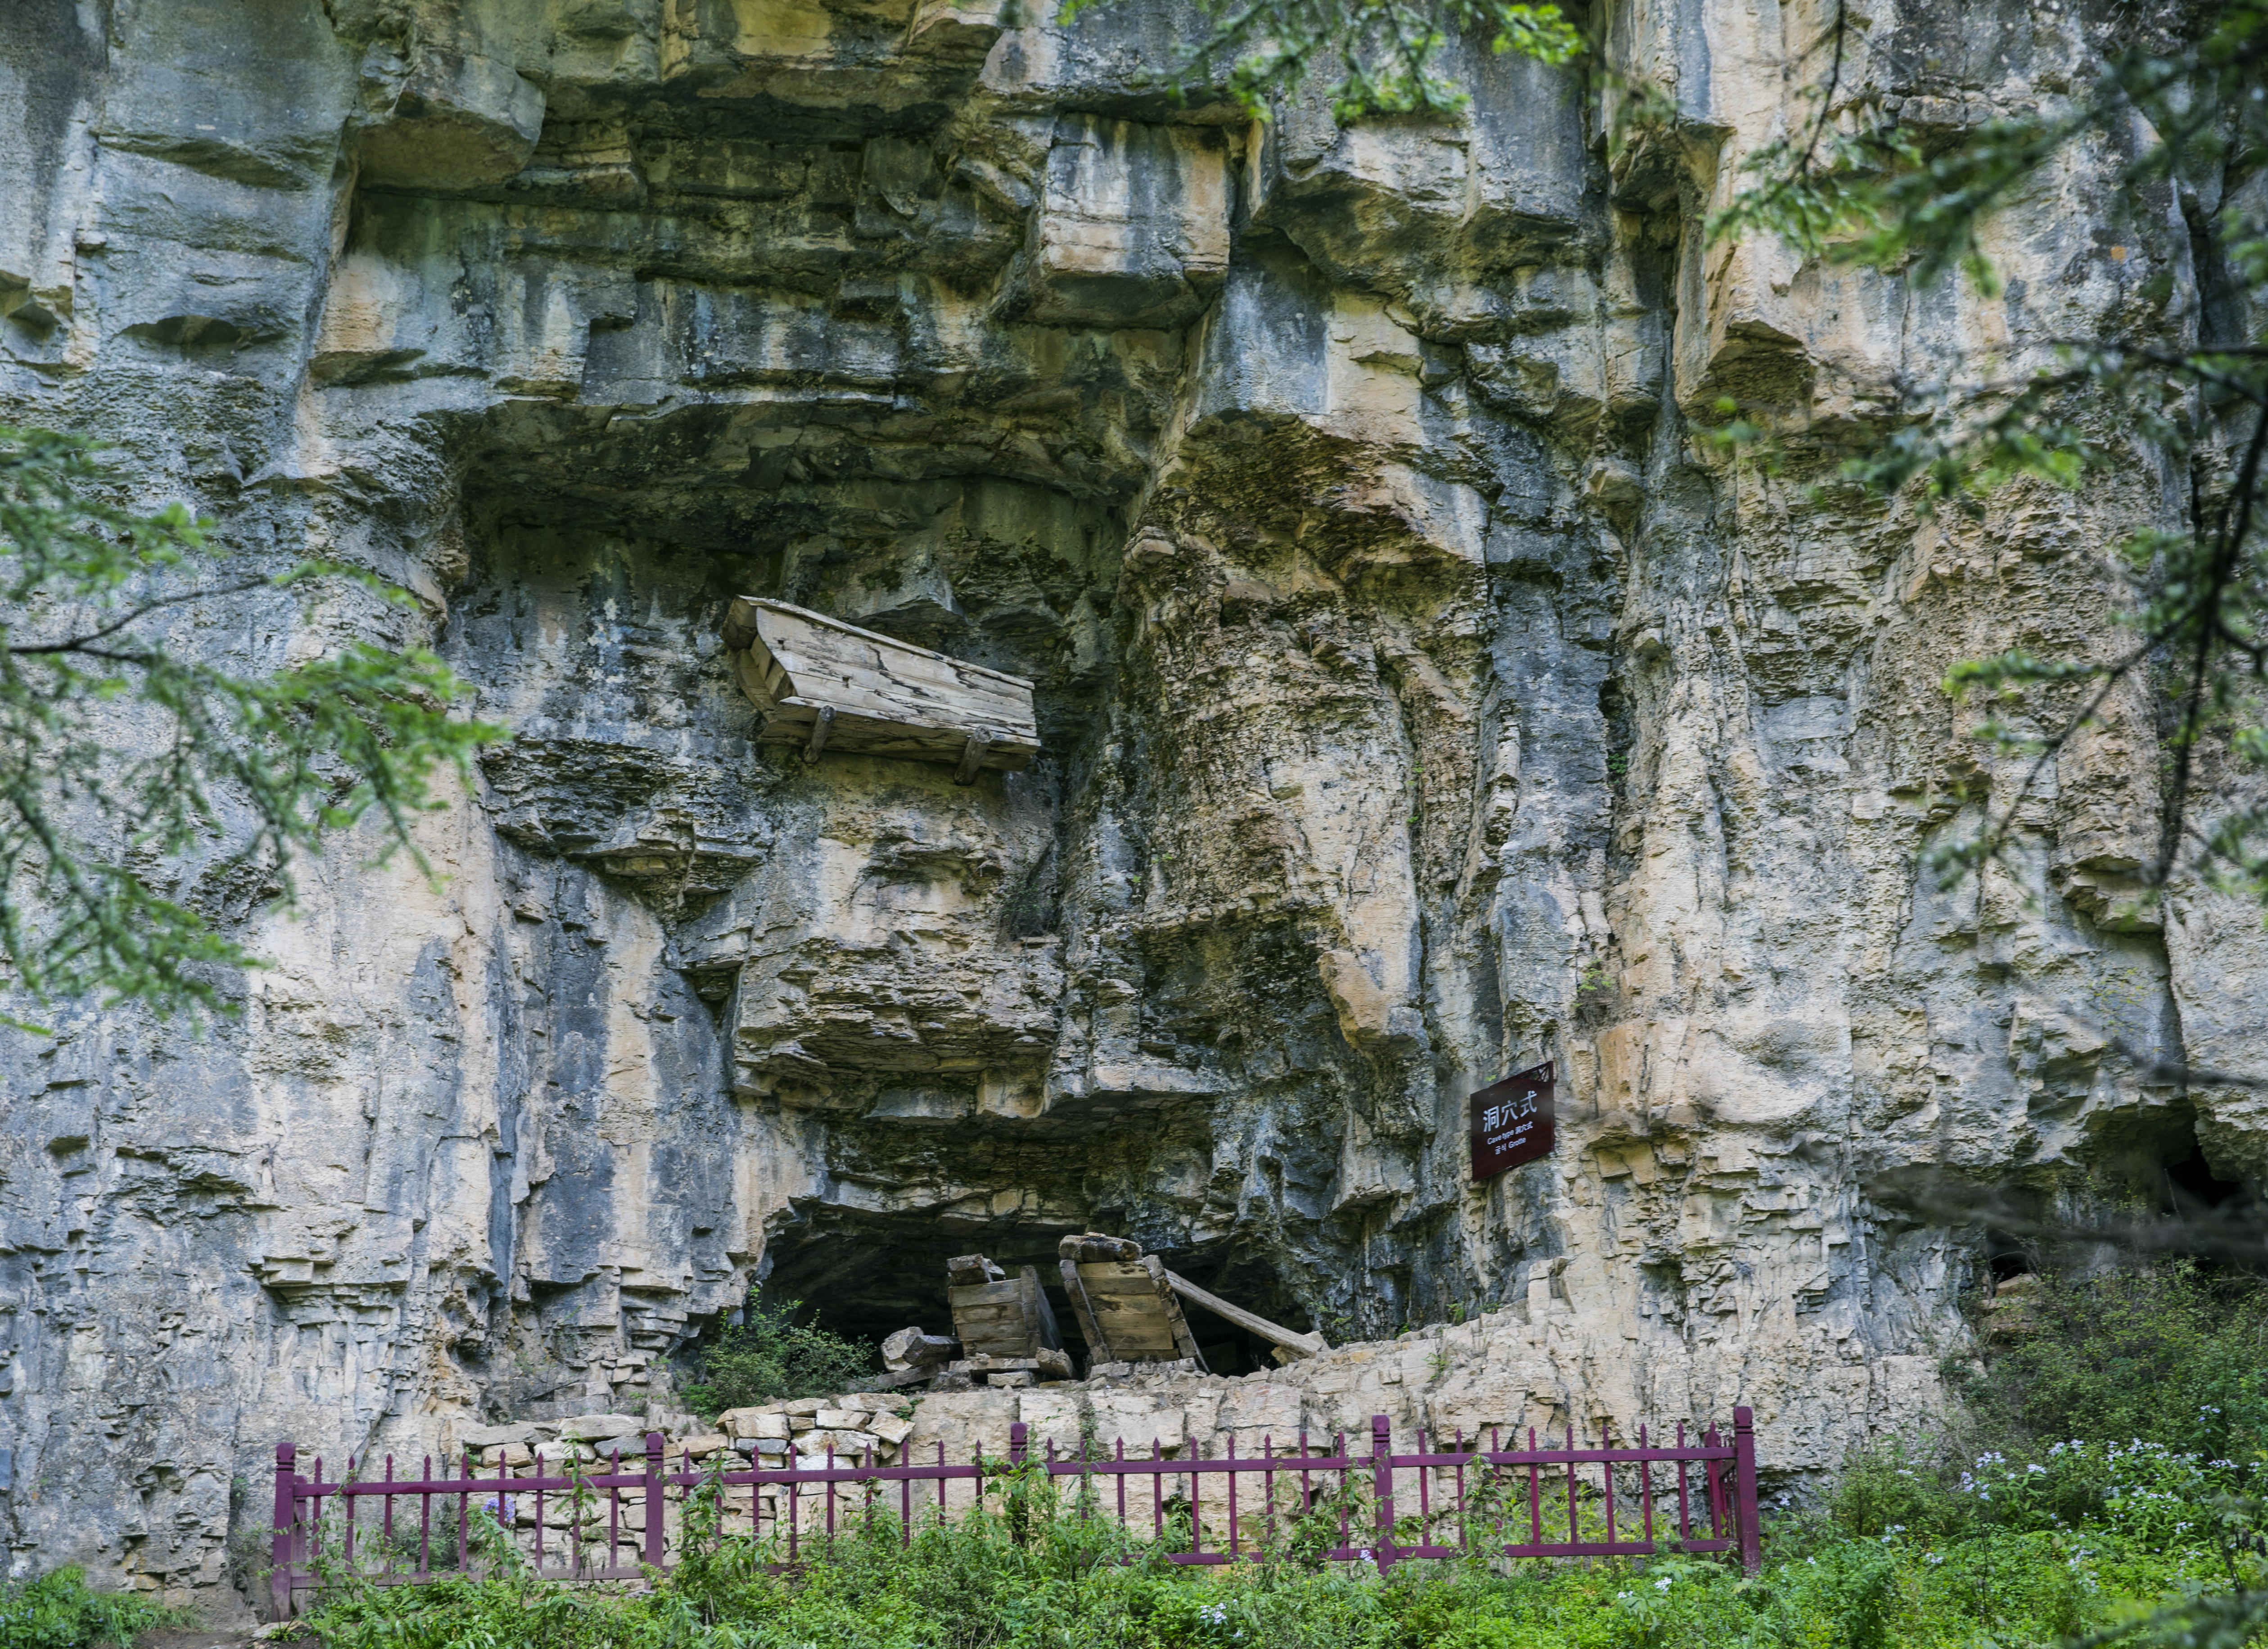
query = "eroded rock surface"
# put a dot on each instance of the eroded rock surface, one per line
(1424, 697)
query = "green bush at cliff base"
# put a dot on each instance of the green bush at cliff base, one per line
(2135, 1401)
(974, 1587)
(2166, 1354)
(769, 1356)
(59, 1611)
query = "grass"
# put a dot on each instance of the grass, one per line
(973, 1586)
(60, 1611)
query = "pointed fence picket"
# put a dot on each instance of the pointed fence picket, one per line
(1472, 1492)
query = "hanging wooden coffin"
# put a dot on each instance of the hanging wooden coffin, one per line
(827, 685)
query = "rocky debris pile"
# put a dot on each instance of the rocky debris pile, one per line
(855, 1425)
(852, 1425)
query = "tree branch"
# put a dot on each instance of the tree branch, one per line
(78, 644)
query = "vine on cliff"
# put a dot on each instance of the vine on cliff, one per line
(1386, 51)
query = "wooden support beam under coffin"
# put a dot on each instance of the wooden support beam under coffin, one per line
(825, 685)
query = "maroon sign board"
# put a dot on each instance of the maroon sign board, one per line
(1513, 1121)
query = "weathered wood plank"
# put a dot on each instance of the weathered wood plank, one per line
(1002, 1293)
(910, 673)
(1299, 1344)
(1094, 1247)
(862, 735)
(859, 687)
(1181, 1335)
(1137, 1347)
(1116, 1275)
(1039, 1313)
(1125, 1300)
(747, 612)
(1098, 1347)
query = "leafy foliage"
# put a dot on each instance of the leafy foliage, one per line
(59, 1611)
(1385, 51)
(771, 1356)
(1067, 1582)
(2168, 1356)
(120, 755)
(2125, 1417)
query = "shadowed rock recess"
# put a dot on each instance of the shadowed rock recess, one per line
(1422, 697)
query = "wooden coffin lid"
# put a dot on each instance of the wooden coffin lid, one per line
(888, 698)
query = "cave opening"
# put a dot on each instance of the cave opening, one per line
(2188, 1181)
(2005, 1256)
(2162, 1163)
(866, 1276)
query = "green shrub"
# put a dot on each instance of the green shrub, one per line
(2161, 1354)
(1030, 1573)
(2130, 1399)
(771, 1356)
(1898, 1488)
(60, 1611)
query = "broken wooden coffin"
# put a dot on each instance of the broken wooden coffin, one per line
(1127, 1305)
(825, 685)
(1004, 1324)
(1125, 1308)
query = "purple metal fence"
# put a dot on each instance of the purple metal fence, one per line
(1705, 1501)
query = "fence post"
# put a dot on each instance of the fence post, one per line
(656, 1464)
(1382, 1464)
(1744, 1489)
(287, 1512)
(1019, 1437)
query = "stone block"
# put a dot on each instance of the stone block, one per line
(592, 1428)
(496, 1436)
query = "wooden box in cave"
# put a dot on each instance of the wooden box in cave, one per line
(1127, 1310)
(1004, 1317)
(827, 685)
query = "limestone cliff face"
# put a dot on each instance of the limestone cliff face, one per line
(1422, 698)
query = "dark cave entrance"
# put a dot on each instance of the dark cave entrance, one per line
(2155, 1195)
(2187, 1183)
(2162, 1164)
(866, 1276)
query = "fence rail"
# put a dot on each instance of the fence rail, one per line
(618, 1521)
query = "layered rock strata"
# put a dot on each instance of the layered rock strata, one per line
(1422, 695)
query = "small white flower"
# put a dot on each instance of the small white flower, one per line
(1662, 1585)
